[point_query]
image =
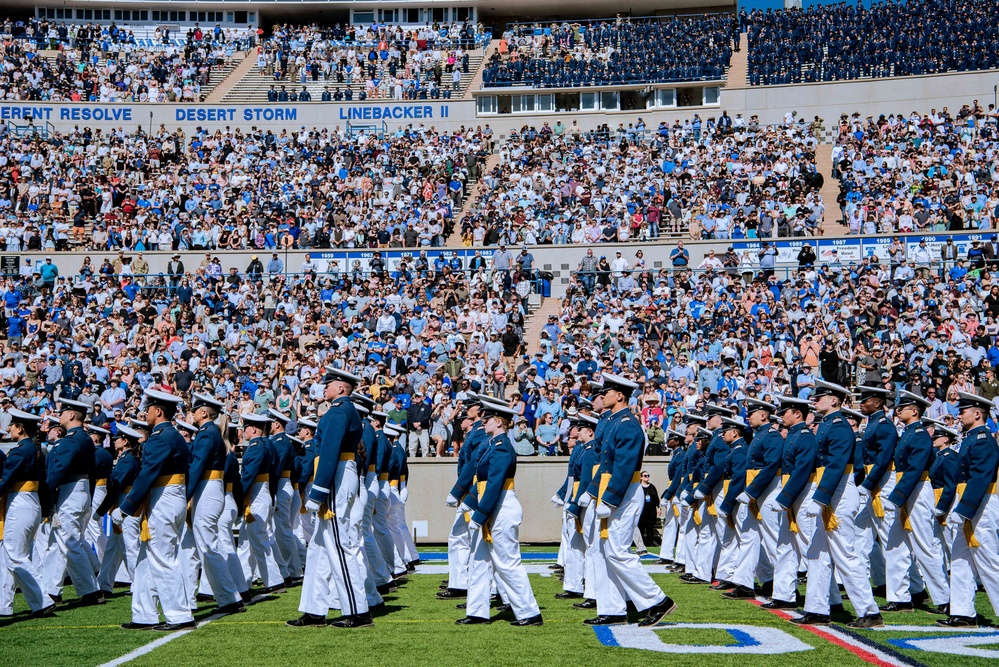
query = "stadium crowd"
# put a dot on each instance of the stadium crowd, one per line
(621, 51)
(106, 64)
(843, 41)
(390, 61)
(230, 190)
(918, 173)
(703, 178)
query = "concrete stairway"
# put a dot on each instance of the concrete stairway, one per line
(252, 87)
(476, 82)
(832, 223)
(235, 75)
(737, 75)
(477, 190)
(537, 320)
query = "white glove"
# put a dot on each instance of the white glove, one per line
(664, 502)
(684, 504)
(557, 502)
(604, 511)
(311, 506)
(954, 519)
(939, 512)
(814, 508)
(743, 498)
(585, 499)
(451, 501)
(403, 495)
(698, 495)
(55, 521)
(864, 493)
(464, 508)
(472, 526)
(117, 516)
(721, 513)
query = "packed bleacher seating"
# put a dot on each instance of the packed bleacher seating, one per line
(849, 41)
(390, 61)
(107, 63)
(618, 51)
(918, 172)
(258, 190)
(702, 178)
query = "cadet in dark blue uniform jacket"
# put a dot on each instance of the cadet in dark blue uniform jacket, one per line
(287, 547)
(23, 474)
(257, 468)
(574, 547)
(123, 543)
(458, 540)
(671, 509)
(736, 582)
(888, 569)
(159, 498)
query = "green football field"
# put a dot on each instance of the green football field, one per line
(418, 629)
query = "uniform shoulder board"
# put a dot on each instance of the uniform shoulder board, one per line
(983, 436)
(881, 420)
(837, 420)
(625, 419)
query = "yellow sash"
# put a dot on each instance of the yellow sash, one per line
(212, 474)
(604, 481)
(161, 481)
(101, 482)
(694, 514)
(16, 487)
(969, 528)
(676, 510)
(487, 533)
(754, 507)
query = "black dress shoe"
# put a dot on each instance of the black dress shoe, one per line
(586, 604)
(765, 589)
(779, 604)
(867, 622)
(235, 608)
(400, 575)
(607, 620)
(722, 586)
(940, 610)
(202, 597)
(91, 599)
(568, 595)
(246, 597)
(307, 620)
(461, 605)
(56, 598)
(811, 619)
(385, 589)
(174, 627)
(657, 612)
(503, 607)
(664, 561)
(275, 590)
(740, 593)
(376, 607)
(897, 606)
(958, 622)
(921, 596)
(44, 612)
(414, 563)
(473, 620)
(452, 594)
(527, 622)
(138, 626)
(445, 582)
(837, 609)
(555, 566)
(691, 579)
(355, 621)
(880, 591)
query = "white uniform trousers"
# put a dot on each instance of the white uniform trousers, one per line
(190, 564)
(331, 538)
(207, 507)
(159, 560)
(296, 528)
(399, 528)
(95, 528)
(373, 553)
(868, 543)
(562, 541)
(837, 548)
(289, 560)
(729, 541)
(924, 542)
(500, 558)
(687, 540)
(382, 532)
(21, 520)
(705, 555)
(307, 520)
(622, 576)
(409, 551)
(671, 533)
(983, 560)
(901, 576)
(258, 539)
(122, 549)
(590, 553)
(357, 539)
(573, 577)
(748, 537)
(227, 548)
(769, 530)
(67, 548)
(791, 545)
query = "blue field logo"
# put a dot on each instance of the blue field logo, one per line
(746, 639)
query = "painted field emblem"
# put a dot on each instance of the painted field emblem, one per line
(964, 642)
(746, 639)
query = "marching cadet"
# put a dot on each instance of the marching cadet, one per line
(589, 463)
(976, 516)
(736, 531)
(307, 432)
(616, 493)
(399, 492)
(913, 500)
(889, 565)
(690, 518)
(231, 508)
(763, 485)
(702, 498)
(355, 531)
(797, 486)
(944, 474)
(573, 581)
(21, 486)
(70, 466)
(123, 543)
(834, 506)
(371, 424)
(496, 518)
(333, 493)
(257, 467)
(866, 532)
(286, 546)
(206, 494)
(379, 488)
(671, 510)
(159, 498)
(458, 549)
(190, 561)
(103, 463)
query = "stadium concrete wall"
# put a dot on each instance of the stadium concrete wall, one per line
(537, 479)
(828, 100)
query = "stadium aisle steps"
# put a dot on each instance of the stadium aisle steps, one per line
(737, 75)
(832, 220)
(232, 77)
(537, 321)
(454, 241)
(476, 81)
